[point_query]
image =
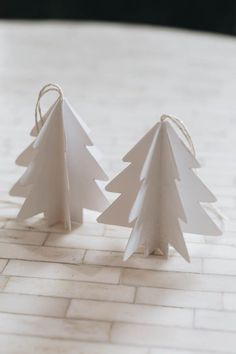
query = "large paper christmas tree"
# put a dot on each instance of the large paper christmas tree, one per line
(60, 180)
(161, 195)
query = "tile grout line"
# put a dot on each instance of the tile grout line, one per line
(45, 240)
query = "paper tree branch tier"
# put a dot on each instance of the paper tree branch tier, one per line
(60, 180)
(160, 194)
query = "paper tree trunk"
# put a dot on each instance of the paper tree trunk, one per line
(161, 195)
(60, 180)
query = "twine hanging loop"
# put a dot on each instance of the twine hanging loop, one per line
(180, 124)
(38, 112)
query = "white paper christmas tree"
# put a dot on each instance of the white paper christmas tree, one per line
(160, 194)
(60, 180)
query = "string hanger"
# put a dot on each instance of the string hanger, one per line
(180, 124)
(38, 112)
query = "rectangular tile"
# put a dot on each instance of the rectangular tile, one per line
(86, 242)
(140, 261)
(117, 231)
(216, 320)
(70, 289)
(177, 338)
(229, 301)
(176, 351)
(120, 312)
(63, 271)
(14, 344)
(181, 281)
(8, 212)
(2, 223)
(3, 281)
(54, 327)
(231, 226)
(37, 223)
(228, 240)
(22, 237)
(219, 266)
(211, 251)
(193, 238)
(89, 229)
(179, 298)
(34, 305)
(41, 253)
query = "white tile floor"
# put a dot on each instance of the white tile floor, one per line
(72, 294)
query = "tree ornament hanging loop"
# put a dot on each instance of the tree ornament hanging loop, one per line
(38, 111)
(180, 124)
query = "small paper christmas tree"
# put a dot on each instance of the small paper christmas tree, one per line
(60, 178)
(160, 194)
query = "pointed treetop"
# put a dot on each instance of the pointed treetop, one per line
(139, 150)
(77, 123)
